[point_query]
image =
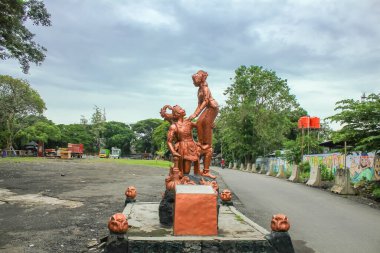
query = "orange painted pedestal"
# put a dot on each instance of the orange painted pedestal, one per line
(195, 210)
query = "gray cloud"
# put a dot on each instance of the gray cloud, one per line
(132, 57)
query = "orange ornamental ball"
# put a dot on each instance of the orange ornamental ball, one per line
(280, 223)
(118, 223)
(226, 195)
(131, 192)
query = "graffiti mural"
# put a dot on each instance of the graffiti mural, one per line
(361, 165)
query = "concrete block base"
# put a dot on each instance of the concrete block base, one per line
(236, 233)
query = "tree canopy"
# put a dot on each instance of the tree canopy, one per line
(258, 113)
(16, 41)
(144, 131)
(360, 121)
(17, 100)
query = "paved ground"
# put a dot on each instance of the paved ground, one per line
(320, 221)
(61, 206)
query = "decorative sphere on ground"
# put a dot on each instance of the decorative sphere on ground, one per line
(131, 192)
(118, 223)
(226, 195)
(280, 223)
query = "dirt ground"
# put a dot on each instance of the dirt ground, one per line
(62, 206)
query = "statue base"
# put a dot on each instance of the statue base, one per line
(236, 233)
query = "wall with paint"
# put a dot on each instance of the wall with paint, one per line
(361, 165)
(274, 162)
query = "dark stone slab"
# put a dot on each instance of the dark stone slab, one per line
(281, 242)
(116, 243)
(166, 209)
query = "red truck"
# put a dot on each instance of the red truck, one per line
(76, 149)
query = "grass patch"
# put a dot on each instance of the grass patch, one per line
(238, 218)
(151, 163)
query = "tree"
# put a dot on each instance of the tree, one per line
(76, 133)
(16, 41)
(144, 130)
(17, 100)
(98, 120)
(120, 135)
(41, 131)
(160, 137)
(257, 115)
(361, 122)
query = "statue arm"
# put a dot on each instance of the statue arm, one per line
(202, 104)
(170, 139)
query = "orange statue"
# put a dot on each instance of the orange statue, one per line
(213, 184)
(280, 223)
(185, 151)
(226, 195)
(118, 223)
(131, 192)
(173, 179)
(207, 110)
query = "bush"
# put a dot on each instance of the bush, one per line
(304, 167)
(304, 176)
(326, 173)
(288, 173)
(376, 193)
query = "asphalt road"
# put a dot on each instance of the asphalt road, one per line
(320, 221)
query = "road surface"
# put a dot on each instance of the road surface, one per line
(321, 222)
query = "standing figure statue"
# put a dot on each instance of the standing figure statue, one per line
(208, 109)
(180, 140)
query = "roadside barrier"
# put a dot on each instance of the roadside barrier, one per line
(295, 177)
(342, 182)
(281, 173)
(315, 176)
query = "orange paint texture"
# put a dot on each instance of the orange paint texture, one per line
(195, 213)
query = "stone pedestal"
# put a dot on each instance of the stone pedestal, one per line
(195, 210)
(342, 182)
(315, 176)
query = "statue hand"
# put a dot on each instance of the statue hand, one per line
(192, 116)
(176, 154)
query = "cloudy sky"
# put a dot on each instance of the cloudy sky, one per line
(133, 57)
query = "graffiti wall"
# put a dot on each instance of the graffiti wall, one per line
(361, 165)
(274, 162)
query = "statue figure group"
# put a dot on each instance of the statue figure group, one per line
(184, 149)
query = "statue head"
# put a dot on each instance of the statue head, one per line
(118, 223)
(131, 192)
(199, 78)
(177, 112)
(280, 223)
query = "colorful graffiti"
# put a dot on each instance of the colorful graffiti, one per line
(361, 165)
(275, 163)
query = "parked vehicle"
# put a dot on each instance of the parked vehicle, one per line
(76, 149)
(104, 153)
(115, 153)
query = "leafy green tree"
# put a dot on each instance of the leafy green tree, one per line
(160, 138)
(76, 133)
(360, 121)
(120, 135)
(144, 135)
(16, 41)
(17, 100)
(257, 115)
(41, 131)
(98, 120)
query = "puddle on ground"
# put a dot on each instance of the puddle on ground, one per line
(6, 196)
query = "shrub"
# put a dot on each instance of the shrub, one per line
(376, 193)
(326, 173)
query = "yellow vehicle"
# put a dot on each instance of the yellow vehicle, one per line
(104, 153)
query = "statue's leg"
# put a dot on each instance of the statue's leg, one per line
(186, 167)
(207, 163)
(197, 170)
